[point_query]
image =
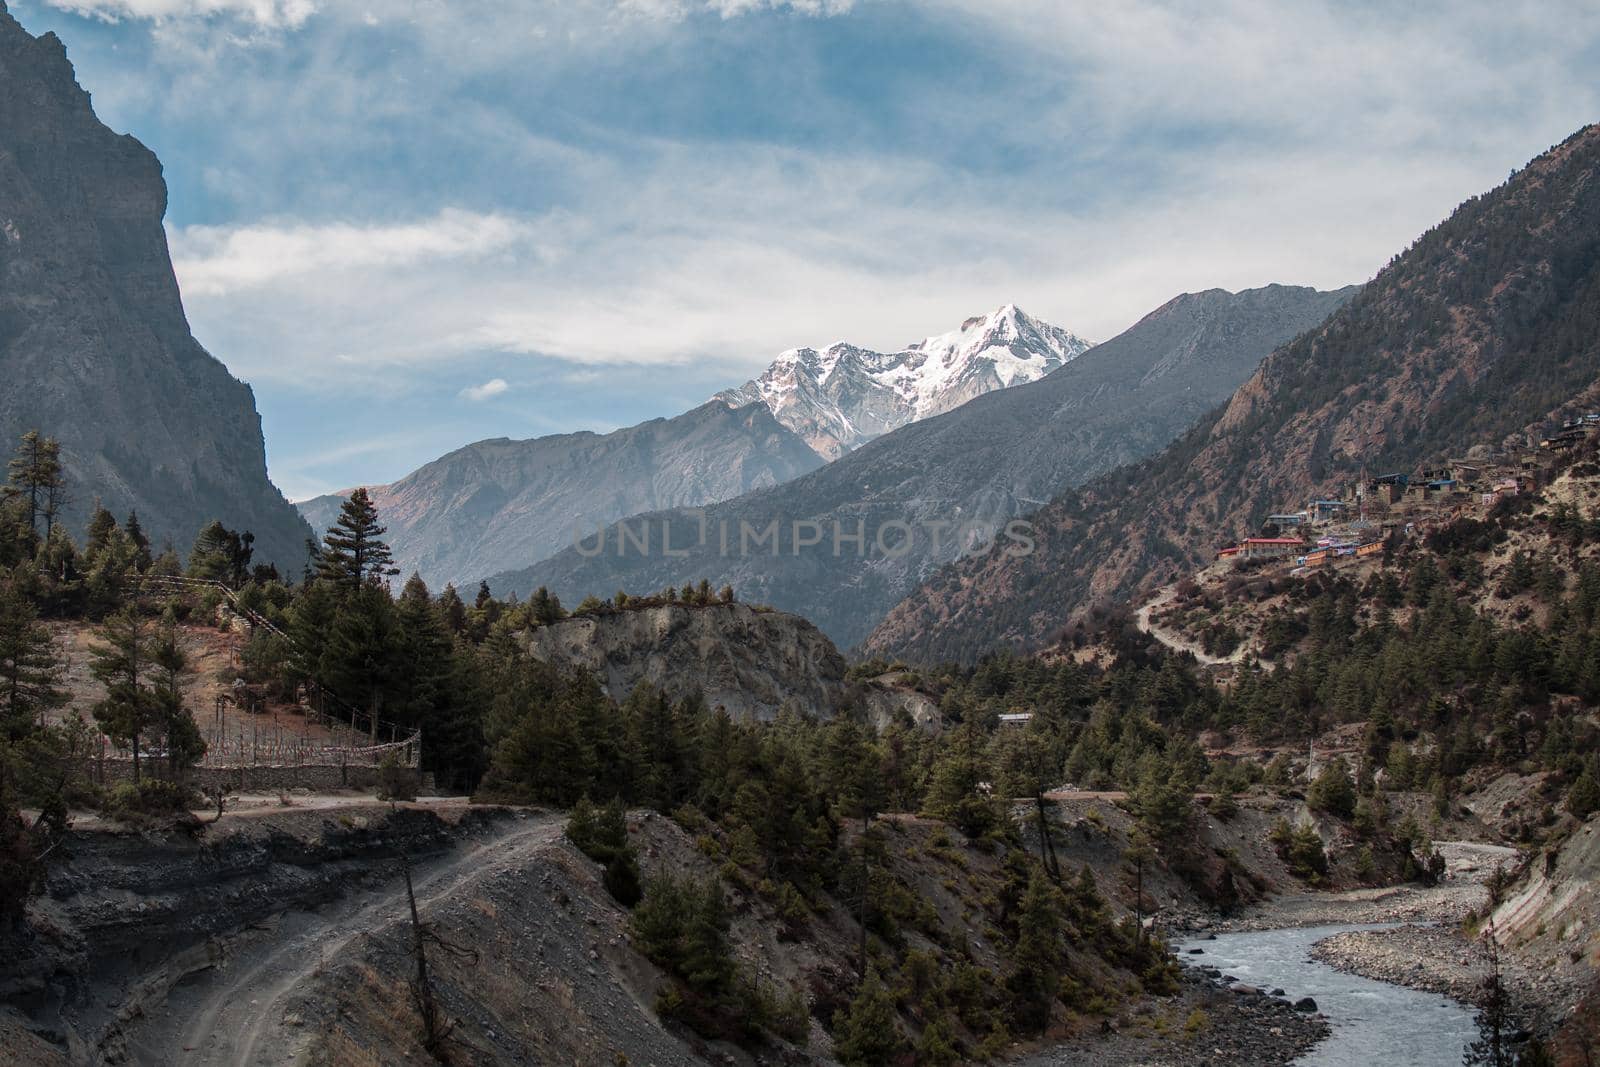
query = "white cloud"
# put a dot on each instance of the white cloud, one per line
(291, 14)
(1158, 147)
(217, 260)
(724, 258)
(491, 388)
(268, 14)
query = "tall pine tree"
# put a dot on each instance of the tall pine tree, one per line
(353, 549)
(123, 666)
(30, 669)
(38, 482)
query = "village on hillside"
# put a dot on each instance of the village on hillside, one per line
(1372, 509)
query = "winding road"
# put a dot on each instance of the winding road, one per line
(235, 1013)
(1141, 619)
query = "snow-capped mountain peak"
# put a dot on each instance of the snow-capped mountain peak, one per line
(842, 396)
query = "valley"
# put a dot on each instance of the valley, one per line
(1226, 691)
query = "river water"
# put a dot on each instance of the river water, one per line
(1373, 1022)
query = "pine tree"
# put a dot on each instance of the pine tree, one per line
(30, 669)
(139, 540)
(169, 664)
(1162, 807)
(353, 549)
(97, 538)
(222, 555)
(544, 608)
(362, 657)
(852, 772)
(122, 665)
(425, 656)
(310, 627)
(1333, 791)
(1583, 799)
(955, 785)
(38, 481)
(869, 1033)
(453, 610)
(1038, 956)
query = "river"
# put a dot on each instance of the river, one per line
(1373, 1022)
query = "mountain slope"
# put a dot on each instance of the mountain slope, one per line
(471, 512)
(94, 346)
(997, 457)
(1486, 326)
(843, 396)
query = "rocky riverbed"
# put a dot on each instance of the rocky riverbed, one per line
(1209, 1022)
(1459, 894)
(1441, 959)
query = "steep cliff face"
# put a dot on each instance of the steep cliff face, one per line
(1478, 333)
(94, 346)
(501, 503)
(995, 458)
(752, 663)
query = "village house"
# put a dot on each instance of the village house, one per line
(1270, 547)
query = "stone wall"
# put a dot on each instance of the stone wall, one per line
(259, 778)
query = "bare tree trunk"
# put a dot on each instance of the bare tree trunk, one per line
(432, 1033)
(1046, 844)
(1138, 897)
(861, 967)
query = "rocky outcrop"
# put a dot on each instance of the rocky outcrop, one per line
(752, 662)
(996, 458)
(1556, 908)
(502, 503)
(95, 349)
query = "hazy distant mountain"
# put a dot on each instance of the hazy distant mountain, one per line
(1483, 330)
(844, 396)
(999, 456)
(94, 346)
(496, 503)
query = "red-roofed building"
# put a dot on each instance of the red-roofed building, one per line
(1270, 547)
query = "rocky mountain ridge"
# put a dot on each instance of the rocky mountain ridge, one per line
(843, 396)
(95, 349)
(469, 512)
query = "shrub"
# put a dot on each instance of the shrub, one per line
(1333, 791)
(869, 1032)
(1583, 799)
(152, 796)
(602, 835)
(1301, 849)
(682, 926)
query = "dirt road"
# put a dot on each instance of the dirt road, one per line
(234, 1013)
(1141, 619)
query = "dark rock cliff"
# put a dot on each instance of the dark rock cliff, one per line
(95, 349)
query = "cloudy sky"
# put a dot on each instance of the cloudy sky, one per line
(415, 223)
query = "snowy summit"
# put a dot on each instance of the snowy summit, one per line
(840, 397)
